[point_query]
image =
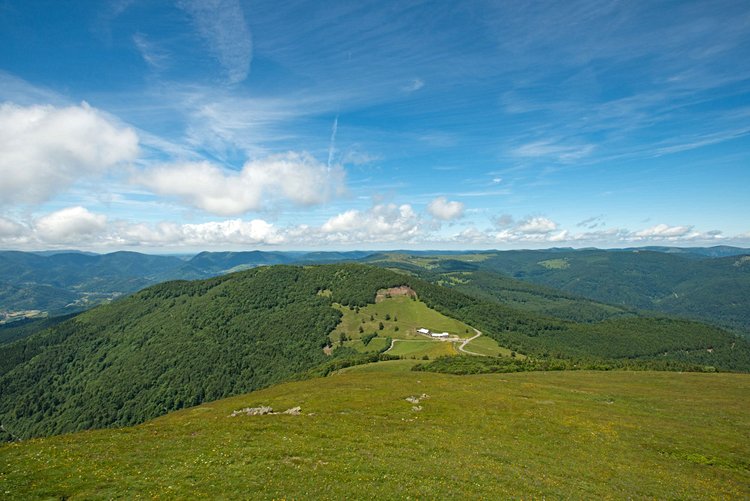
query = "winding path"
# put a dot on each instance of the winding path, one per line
(467, 341)
(460, 347)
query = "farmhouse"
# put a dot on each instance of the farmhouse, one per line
(440, 334)
(423, 331)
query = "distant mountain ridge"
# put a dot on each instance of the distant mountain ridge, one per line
(705, 283)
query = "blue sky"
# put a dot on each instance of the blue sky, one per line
(230, 124)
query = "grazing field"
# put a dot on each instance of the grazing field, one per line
(638, 435)
(416, 348)
(400, 316)
(484, 345)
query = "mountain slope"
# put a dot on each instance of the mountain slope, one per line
(176, 344)
(181, 343)
(552, 435)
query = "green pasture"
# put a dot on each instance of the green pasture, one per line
(536, 435)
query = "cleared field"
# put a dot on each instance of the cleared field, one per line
(484, 345)
(417, 348)
(593, 435)
(400, 312)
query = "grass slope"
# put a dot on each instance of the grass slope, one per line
(530, 435)
(417, 348)
(403, 312)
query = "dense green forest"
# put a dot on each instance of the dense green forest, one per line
(177, 344)
(708, 284)
(181, 343)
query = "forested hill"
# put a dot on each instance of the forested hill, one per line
(176, 344)
(181, 343)
(687, 283)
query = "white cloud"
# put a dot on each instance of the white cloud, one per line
(44, 149)
(296, 177)
(441, 208)
(213, 233)
(221, 23)
(382, 223)
(347, 221)
(70, 225)
(471, 235)
(664, 231)
(560, 236)
(536, 225)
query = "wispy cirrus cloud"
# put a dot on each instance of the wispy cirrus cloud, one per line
(155, 56)
(553, 149)
(414, 85)
(221, 23)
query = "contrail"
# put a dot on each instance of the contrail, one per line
(332, 144)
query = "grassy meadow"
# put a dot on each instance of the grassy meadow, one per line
(607, 435)
(487, 346)
(401, 316)
(417, 348)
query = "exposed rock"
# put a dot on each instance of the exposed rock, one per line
(264, 410)
(253, 411)
(415, 400)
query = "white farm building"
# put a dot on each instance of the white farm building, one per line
(423, 331)
(440, 334)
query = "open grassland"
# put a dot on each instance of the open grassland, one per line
(416, 348)
(400, 312)
(484, 345)
(595, 435)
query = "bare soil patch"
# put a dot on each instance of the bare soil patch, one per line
(395, 291)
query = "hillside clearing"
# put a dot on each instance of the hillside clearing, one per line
(400, 317)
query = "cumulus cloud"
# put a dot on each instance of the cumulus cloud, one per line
(221, 23)
(382, 223)
(212, 233)
(441, 208)
(70, 225)
(44, 149)
(296, 177)
(536, 225)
